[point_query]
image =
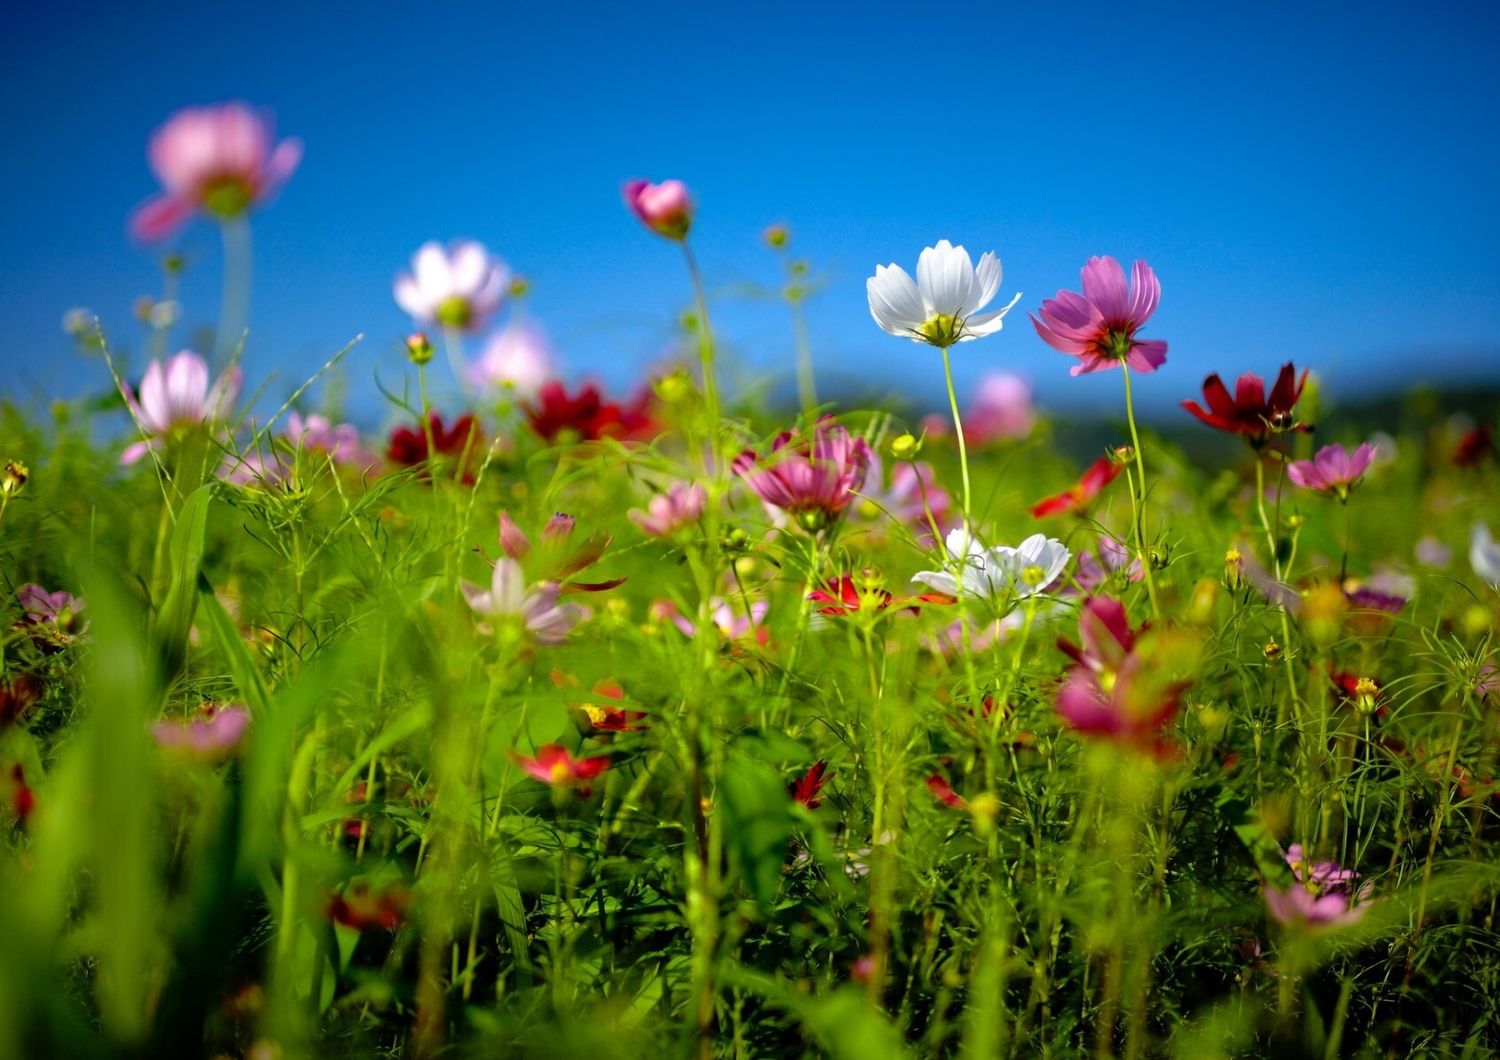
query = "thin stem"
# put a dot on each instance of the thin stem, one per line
(807, 390)
(705, 357)
(958, 429)
(234, 300)
(1138, 498)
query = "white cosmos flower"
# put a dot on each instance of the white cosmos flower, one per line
(1484, 554)
(460, 287)
(940, 307)
(1022, 571)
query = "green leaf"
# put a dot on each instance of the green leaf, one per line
(758, 823)
(175, 617)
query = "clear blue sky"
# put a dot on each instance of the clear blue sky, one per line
(1308, 181)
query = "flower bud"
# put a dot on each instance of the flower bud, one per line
(1234, 570)
(519, 285)
(675, 387)
(1365, 692)
(665, 208)
(14, 478)
(776, 236)
(1476, 620)
(736, 541)
(418, 348)
(1271, 650)
(905, 447)
(984, 807)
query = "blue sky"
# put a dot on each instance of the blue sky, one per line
(1309, 181)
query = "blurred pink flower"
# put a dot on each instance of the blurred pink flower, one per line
(517, 358)
(812, 480)
(666, 513)
(554, 765)
(340, 441)
(665, 208)
(177, 395)
(1099, 326)
(1095, 571)
(1299, 907)
(731, 620)
(213, 735)
(902, 500)
(1001, 410)
(43, 608)
(218, 160)
(1333, 470)
(460, 287)
(547, 620)
(1323, 875)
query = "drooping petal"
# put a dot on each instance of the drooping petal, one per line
(895, 302)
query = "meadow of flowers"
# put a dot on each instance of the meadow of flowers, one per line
(550, 722)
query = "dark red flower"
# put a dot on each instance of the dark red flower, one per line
(806, 789)
(1075, 499)
(22, 798)
(464, 440)
(587, 416)
(939, 786)
(1249, 413)
(360, 907)
(1476, 446)
(17, 694)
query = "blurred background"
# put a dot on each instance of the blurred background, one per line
(1313, 182)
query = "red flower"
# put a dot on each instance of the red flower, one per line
(1075, 499)
(1249, 413)
(806, 789)
(587, 415)
(408, 445)
(554, 765)
(359, 907)
(1476, 446)
(22, 798)
(17, 694)
(603, 718)
(939, 786)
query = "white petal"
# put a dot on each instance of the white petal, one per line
(940, 580)
(410, 298)
(434, 278)
(507, 587)
(987, 323)
(986, 283)
(1484, 555)
(895, 302)
(468, 264)
(945, 276)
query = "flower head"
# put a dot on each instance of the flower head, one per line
(807, 789)
(518, 358)
(913, 493)
(666, 513)
(340, 442)
(733, 620)
(810, 479)
(360, 907)
(1249, 412)
(554, 765)
(1001, 410)
(53, 620)
(557, 557)
(665, 208)
(587, 416)
(1484, 555)
(176, 396)
(1333, 470)
(1113, 556)
(846, 595)
(459, 288)
(218, 160)
(940, 307)
(1076, 499)
(213, 735)
(1099, 326)
(408, 444)
(1025, 570)
(535, 609)
(1299, 907)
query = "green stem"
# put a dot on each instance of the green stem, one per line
(1138, 495)
(705, 357)
(234, 300)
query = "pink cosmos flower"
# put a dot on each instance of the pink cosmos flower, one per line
(460, 287)
(731, 620)
(320, 435)
(1099, 326)
(666, 513)
(902, 500)
(218, 160)
(1322, 875)
(1095, 571)
(812, 480)
(1333, 470)
(47, 609)
(1001, 410)
(175, 396)
(517, 358)
(214, 735)
(1298, 907)
(665, 208)
(554, 765)
(537, 608)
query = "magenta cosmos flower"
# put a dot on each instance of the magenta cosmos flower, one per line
(1333, 470)
(177, 396)
(811, 480)
(212, 736)
(666, 513)
(665, 208)
(218, 160)
(1001, 410)
(555, 766)
(458, 288)
(1099, 326)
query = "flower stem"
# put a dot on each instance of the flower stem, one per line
(234, 299)
(958, 430)
(705, 357)
(1138, 495)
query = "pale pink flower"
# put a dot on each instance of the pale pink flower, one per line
(1001, 410)
(1333, 470)
(538, 608)
(175, 396)
(665, 208)
(666, 513)
(1298, 907)
(45, 609)
(517, 358)
(214, 735)
(1095, 571)
(340, 441)
(902, 499)
(218, 160)
(460, 287)
(1099, 326)
(732, 620)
